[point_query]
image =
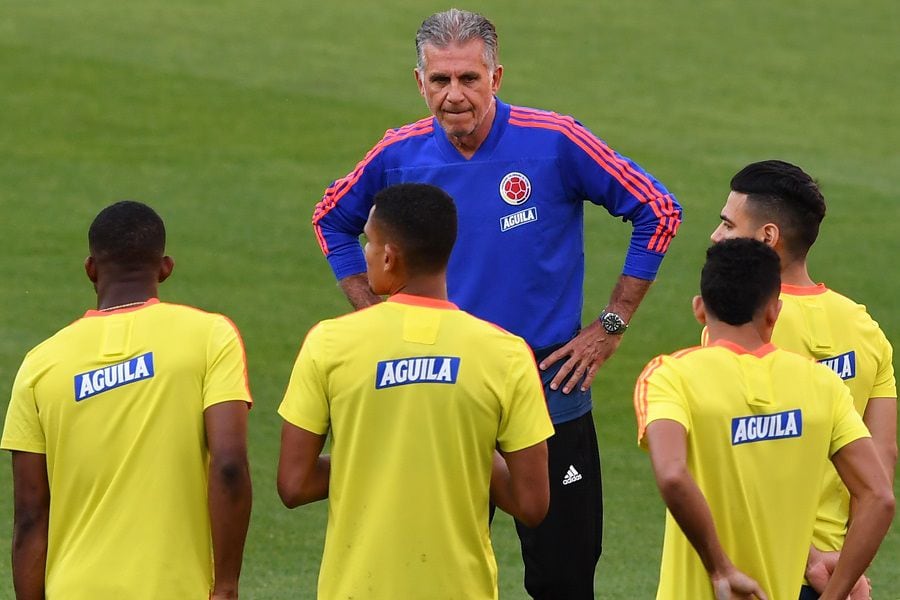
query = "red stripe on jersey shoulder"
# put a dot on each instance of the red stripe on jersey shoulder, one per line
(339, 188)
(636, 182)
(633, 180)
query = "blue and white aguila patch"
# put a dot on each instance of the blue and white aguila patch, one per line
(842, 364)
(417, 369)
(112, 376)
(760, 428)
(529, 215)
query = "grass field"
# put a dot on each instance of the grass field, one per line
(231, 117)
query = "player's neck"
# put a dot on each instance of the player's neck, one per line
(114, 294)
(748, 336)
(426, 286)
(795, 273)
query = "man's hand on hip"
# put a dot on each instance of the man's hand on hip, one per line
(585, 353)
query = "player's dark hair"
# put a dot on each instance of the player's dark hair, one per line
(782, 193)
(129, 234)
(740, 276)
(421, 219)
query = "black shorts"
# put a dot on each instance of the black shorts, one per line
(561, 553)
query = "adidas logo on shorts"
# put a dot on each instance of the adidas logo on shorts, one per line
(571, 476)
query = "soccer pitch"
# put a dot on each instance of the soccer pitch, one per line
(231, 117)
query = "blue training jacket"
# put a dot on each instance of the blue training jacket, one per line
(519, 256)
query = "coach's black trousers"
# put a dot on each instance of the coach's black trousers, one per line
(561, 553)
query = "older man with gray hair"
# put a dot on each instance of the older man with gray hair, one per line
(521, 178)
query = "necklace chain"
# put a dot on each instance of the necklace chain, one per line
(126, 305)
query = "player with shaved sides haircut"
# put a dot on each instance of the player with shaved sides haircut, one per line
(780, 204)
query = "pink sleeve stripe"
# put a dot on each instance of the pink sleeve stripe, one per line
(636, 182)
(340, 187)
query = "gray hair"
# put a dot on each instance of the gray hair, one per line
(456, 26)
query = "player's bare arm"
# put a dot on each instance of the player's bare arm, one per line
(667, 441)
(358, 292)
(31, 498)
(881, 419)
(230, 492)
(860, 469)
(593, 345)
(303, 474)
(520, 485)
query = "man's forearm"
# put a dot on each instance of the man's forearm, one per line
(230, 499)
(29, 558)
(689, 508)
(870, 524)
(358, 292)
(627, 296)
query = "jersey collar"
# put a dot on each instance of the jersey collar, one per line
(803, 290)
(738, 349)
(422, 301)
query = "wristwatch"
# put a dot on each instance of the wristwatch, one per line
(613, 323)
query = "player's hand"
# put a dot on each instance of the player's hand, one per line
(735, 585)
(584, 355)
(230, 593)
(819, 567)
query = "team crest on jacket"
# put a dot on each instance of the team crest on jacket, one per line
(515, 188)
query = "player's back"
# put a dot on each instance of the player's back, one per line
(832, 329)
(420, 395)
(120, 399)
(761, 427)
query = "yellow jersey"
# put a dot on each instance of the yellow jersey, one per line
(820, 323)
(416, 394)
(760, 428)
(115, 401)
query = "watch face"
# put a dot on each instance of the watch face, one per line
(613, 323)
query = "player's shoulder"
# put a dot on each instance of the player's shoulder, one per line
(539, 121)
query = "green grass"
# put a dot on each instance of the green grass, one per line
(231, 117)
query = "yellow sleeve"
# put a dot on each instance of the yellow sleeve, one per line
(23, 430)
(305, 402)
(226, 370)
(524, 419)
(848, 424)
(658, 395)
(885, 386)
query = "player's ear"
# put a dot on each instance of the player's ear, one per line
(699, 309)
(771, 235)
(773, 309)
(90, 269)
(166, 266)
(391, 258)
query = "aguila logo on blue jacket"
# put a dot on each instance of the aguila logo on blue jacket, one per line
(113, 376)
(759, 428)
(417, 369)
(842, 364)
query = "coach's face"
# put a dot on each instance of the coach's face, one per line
(459, 89)
(738, 221)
